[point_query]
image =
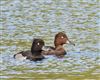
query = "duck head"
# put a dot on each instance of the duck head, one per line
(61, 39)
(37, 45)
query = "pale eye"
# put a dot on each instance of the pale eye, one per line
(62, 37)
(38, 43)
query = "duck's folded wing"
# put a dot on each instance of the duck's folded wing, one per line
(23, 55)
(49, 52)
(59, 53)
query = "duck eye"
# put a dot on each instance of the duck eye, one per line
(38, 43)
(62, 37)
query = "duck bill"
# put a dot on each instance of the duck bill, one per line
(43, 48)
(70, 42)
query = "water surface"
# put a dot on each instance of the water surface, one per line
(23, 20)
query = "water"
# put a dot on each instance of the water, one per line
(23, 20)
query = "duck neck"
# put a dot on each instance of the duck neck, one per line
(57, 43)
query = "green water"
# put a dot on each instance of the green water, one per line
(23, 20)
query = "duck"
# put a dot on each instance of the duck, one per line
(58, 49)
(35, 54)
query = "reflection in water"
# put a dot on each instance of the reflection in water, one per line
(21, 21)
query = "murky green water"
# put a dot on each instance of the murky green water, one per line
(23, 20)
